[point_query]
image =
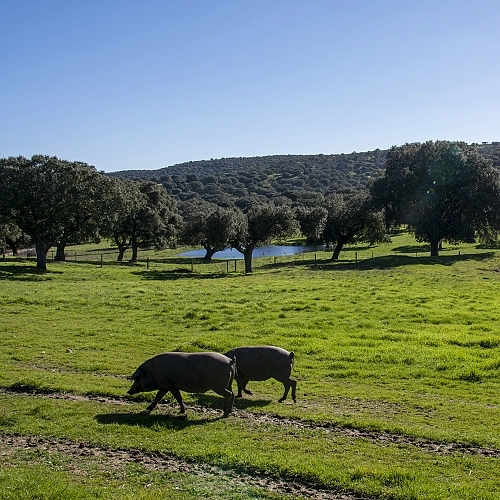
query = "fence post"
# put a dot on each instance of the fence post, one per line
(147, 263)
(101, 260)
(227, 266)
(355, 257)
(234, 265)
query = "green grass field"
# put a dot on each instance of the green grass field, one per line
(397, 363)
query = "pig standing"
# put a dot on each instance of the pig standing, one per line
(190, 372)
(262, 363)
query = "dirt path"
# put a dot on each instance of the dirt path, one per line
(266, 418)
(159, 461)
(376, 436)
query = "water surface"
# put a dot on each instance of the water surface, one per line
(267, 251)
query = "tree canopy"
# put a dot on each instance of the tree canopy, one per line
(443, 190)
(11, 236)
(352, 218)
(299, 178)
(210, 226)
(51, 200)
(260, 225)
(312, 221)
(144, 216)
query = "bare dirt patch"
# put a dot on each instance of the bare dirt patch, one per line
(267, 418)
(377, 436)
(159, 461)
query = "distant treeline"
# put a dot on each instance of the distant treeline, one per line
(296, 177)
(440, 190)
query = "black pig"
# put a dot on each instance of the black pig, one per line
(189, 372)
(262, 363)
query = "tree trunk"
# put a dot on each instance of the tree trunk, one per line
(209, 254)
(13, 245)
(434, 248)
(60, 251)
(122, 245)
(42, 247)
(135, 250)
(248, 260)
(337, 250)
(121, 252)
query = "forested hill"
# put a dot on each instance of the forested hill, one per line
(295, 176)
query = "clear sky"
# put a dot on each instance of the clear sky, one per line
(143, 84)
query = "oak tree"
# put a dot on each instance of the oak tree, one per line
(50, 199)
(442, 190)
(260, 225)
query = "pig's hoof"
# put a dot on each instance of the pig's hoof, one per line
(248, 391)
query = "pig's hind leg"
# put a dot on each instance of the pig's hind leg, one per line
(228, 402)
(242, 385)
(228, 396)
(287, 384)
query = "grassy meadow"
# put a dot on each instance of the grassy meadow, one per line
(397, 363)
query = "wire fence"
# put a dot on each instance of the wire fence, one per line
(179, 264)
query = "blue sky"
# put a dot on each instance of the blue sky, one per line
(144, 84)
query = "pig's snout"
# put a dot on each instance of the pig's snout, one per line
(135, 388)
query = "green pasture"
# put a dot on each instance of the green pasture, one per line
(387, 340)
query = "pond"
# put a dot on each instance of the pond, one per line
(267, 251)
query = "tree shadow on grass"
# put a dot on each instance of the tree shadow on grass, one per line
(382, 262)
(489, 246)
(393, 261)
(178, 274)
(97, 251)
(422, 248)
(24, 273)
(181, 261)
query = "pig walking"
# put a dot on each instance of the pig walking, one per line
(189, 372)
(262, 363)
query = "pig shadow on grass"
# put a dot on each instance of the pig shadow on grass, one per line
(154, 421)
(251, 404)
(213, 402)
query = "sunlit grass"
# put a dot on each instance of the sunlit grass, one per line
(397, 342)
(313, 455)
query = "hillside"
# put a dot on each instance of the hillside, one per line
(297, 177)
